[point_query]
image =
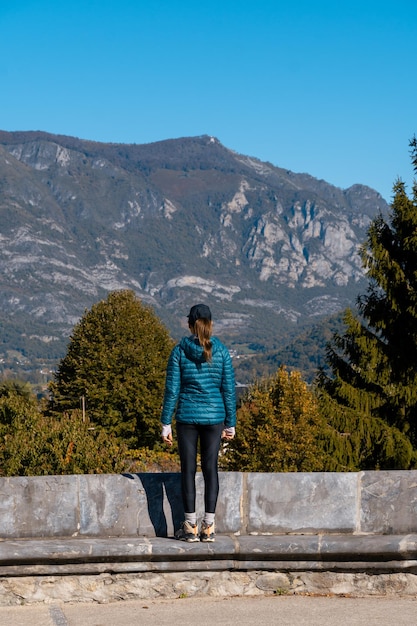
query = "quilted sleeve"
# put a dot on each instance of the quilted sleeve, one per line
(172, 386)
(228, 390)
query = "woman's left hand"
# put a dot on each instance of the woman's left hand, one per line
(166, 434)
(167, 440)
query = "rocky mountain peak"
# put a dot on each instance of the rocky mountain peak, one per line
(176, 221)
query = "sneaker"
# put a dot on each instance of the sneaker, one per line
(187, 532)
(207, 532)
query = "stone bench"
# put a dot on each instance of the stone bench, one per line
(336, 553)
(364, 521)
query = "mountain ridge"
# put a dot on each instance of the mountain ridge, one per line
(177, 221)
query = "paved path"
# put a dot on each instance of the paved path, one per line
(282, 610)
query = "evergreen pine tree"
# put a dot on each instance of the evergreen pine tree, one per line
(352, 440)
(374, 361)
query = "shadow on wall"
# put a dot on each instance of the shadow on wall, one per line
(163, 496)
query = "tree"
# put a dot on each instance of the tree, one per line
(353, 440)
(279, 425)
(373, 363)
(115, 364)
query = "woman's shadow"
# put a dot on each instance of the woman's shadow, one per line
(162, 489)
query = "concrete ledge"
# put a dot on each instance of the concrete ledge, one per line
(383, 553)
(123, 524)
(149, 505)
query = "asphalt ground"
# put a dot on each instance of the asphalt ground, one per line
(283, 610)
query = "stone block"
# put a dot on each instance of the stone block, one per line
(109, 504)
(230, 503)
(284, 547)
(388, 502)
(159, 503)
(222, 549)
(38, 506)
(302, 502)
(368, 547)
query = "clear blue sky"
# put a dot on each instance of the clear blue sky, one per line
(328, 88)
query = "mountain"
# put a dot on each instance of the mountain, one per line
(178, 221)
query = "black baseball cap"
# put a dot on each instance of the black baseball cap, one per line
(198, 311)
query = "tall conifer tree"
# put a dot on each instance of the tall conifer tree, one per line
(115, 364)
(374, 363)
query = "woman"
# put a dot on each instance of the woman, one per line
(200, 389)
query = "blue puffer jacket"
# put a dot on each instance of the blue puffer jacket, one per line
(201, 392)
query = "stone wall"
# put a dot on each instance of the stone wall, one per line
(149, 505)
(107, 537)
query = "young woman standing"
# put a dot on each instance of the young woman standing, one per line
(200, 390)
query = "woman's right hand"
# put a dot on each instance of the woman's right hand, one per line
(228, 433)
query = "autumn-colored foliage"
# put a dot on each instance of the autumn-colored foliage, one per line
(147, 460)
(34, 444)
(278, 426)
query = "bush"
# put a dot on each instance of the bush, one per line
(32, 444)
(278, 428)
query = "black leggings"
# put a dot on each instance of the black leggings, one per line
(210, 437)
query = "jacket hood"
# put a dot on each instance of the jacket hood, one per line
(194, 351)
